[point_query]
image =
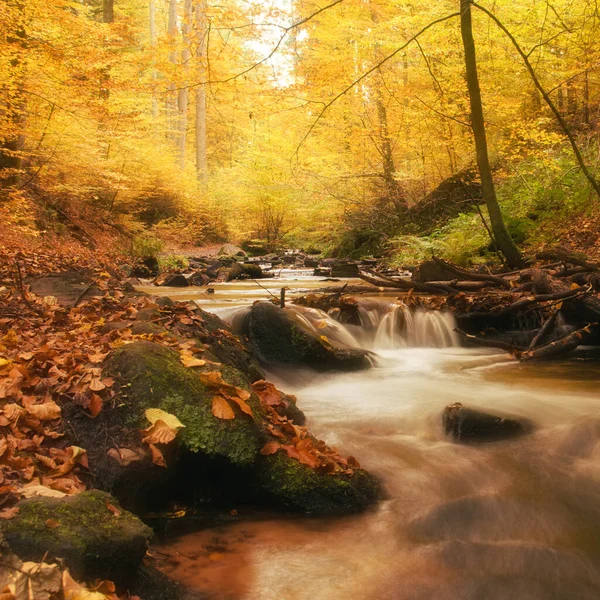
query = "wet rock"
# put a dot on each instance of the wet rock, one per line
(278, 336)
(92, 540)
(172, 280)
(322, 272)
(146, 268)
(344, 270)
(469, 425)
(145, 328)
(199, 278)
(164, 301)
(114, 326)
(311, 262)
(432, 271)
(297, 486)
(148, 314)
(231, 250)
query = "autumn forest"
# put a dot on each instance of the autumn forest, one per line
(299, 299)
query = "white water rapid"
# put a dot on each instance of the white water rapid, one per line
(510, 520)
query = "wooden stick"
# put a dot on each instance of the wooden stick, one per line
(472, 276)
(544, 329)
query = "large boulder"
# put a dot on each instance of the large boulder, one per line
(278, 336)
(231, 250)
(94, 536)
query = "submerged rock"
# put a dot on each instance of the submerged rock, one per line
(278, 336)
(172, 280)
(93, 539)
(469, 425)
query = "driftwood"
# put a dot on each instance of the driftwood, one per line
(559, 347)
(402, 284)
(464, 274)
(544, 329)
(566, 256)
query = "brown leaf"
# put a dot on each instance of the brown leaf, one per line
(96, 385)
(47, 461)
(157, 457)
(270, 448)
(95, 405)
(221, 408)
(267, 392)
(125, 456)
(47, 411)
(159, 433)
(9, 513)
(52, 524)
(212, 378)
(189, 361)
(244, 407)
(113, 509)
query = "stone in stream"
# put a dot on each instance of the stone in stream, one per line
(172, 280)
(470, 425)
(82, 530)
(279, 336)
(212, 460)
(344, 270)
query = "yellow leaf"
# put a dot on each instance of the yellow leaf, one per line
(156, 414)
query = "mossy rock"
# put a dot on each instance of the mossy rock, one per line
(157, 379)
(297, 486)
(229, 347)
(279, 337)
(92, 540)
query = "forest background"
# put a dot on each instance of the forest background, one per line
(173, 124)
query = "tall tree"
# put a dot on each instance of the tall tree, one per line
(201, 59)
(501, 236)
(182, 100)
(108, 11)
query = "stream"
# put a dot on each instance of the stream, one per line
(516, 519)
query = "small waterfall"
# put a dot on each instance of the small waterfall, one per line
(384, 325)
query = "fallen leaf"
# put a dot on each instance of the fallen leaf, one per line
(159, 433)
(95, 405)
(270, 448)
(157, 457)
(113, 509)
(29, 491)
(96, 385)
(221, 408)
(48, 411)
(75, 591)
(52, 524)
(9, 513)
(189, 361)
(244, 407)
(211, 378)
(124, 456)
(156, 414)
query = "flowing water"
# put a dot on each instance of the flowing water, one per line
(516, 520)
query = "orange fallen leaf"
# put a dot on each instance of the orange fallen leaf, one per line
(212, 378)
(221, 408)
(9, 513)
(95, 405)
(47, 411)
(244, 407)
(52, 523)
(270, 448)
(157, 457)
(113, 509)
(159, 433)
(96, 385)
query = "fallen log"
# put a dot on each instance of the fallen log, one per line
(559, 347)
(567, 256)
(464, 274)
(548, 323)
(488, 343)
(403, 284)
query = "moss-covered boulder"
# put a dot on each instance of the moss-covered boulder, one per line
(93, 539)
(157, 379)
(278, 336)
(300, 487)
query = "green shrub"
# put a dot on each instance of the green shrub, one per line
(173, 262)
(146, 246)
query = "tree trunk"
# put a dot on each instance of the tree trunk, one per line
(152, 25)
(182, 101)
(108, 11)
(14, 106)
(171, 101)
(200, 120)
(501, 236)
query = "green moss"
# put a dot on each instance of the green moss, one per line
(298, 486)
(92, 540)
(159, 380)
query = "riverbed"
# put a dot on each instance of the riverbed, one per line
(514, 520)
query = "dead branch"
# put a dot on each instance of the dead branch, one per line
(564, 345)
(464, 274)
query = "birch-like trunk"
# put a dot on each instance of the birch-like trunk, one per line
(171, 100)
(153, 38)
(182, 100)
(201, 61)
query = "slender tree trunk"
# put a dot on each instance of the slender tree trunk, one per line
(502, 238)
(108, 11)
(152, 25)
(200, 120)
(13, 108)
(182, 100)
(171, 101)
